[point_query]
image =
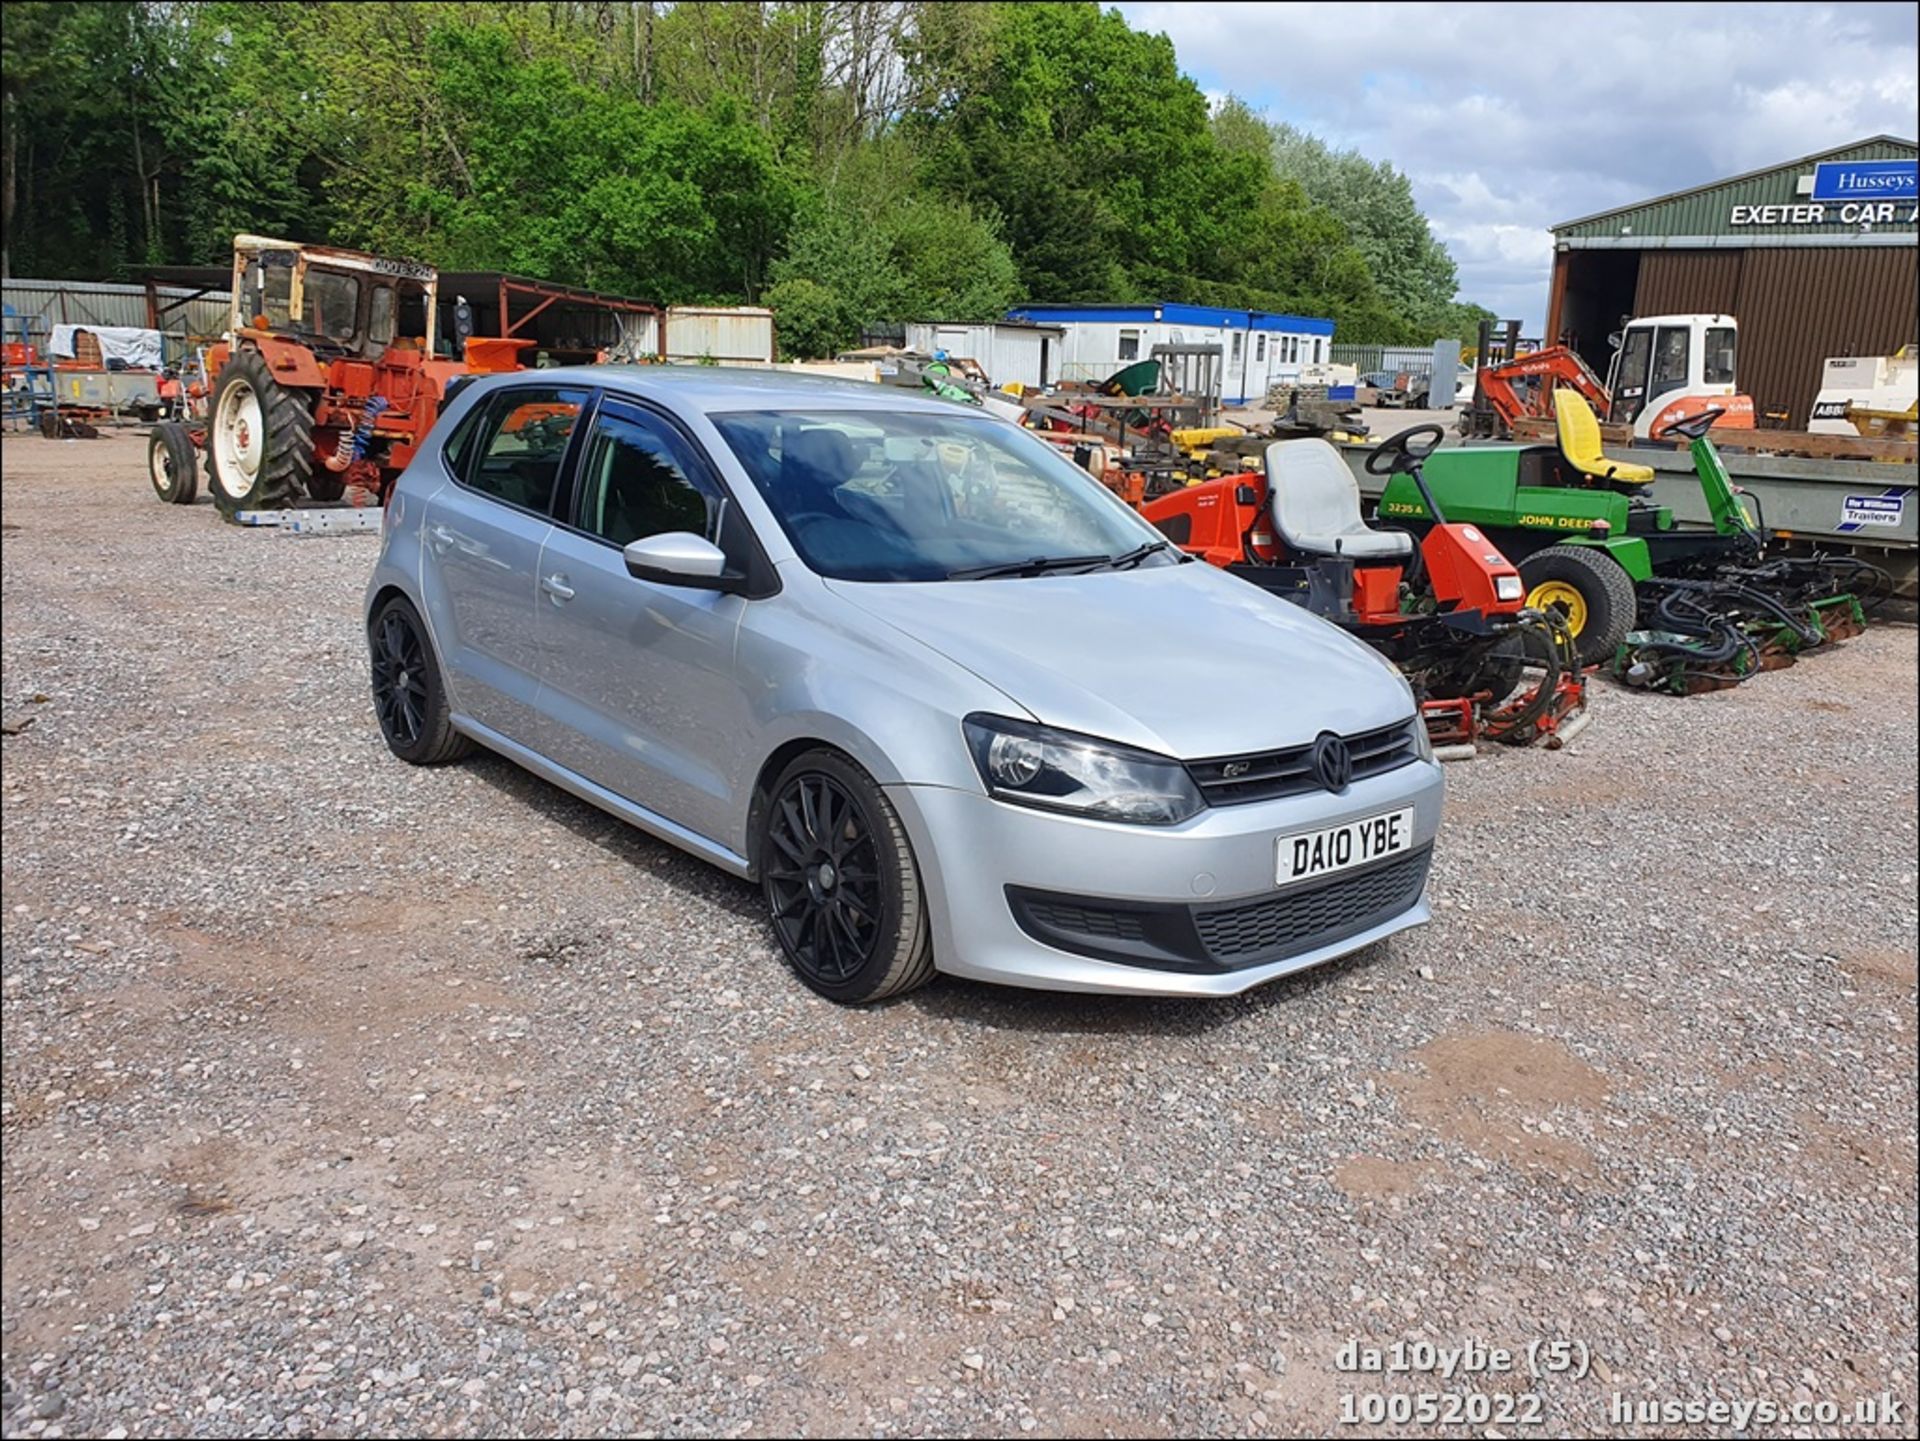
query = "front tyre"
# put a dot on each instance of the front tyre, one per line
(842, 887)
(409, 691)
(172, 464)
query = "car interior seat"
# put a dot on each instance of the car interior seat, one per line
(814, 463)
(1316, 505)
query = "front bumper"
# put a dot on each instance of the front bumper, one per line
(1033, 898)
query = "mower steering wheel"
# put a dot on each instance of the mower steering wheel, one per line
(1691, 426)
(1398, 452)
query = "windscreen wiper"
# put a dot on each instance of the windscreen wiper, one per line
(1140, 553)
(1038, 565)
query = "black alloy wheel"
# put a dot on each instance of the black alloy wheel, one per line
(409, 694)
(823, 880)
(399, 679)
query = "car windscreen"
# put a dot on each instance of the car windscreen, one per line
(882, 496)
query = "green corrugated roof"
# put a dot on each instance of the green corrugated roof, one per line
(1705, 209)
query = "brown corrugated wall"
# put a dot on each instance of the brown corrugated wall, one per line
(1689, 282)
(1799, 307)
(1796, 307)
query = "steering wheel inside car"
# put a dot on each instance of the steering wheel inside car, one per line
(1402, 451)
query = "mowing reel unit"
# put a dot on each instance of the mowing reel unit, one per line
(1448, 609)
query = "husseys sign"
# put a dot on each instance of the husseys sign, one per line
(1845, 192)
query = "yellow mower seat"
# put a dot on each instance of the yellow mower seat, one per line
(1579, 435)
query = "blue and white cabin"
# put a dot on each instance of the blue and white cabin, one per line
(1257, 349)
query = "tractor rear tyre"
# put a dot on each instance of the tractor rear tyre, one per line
(1590, 589)
(259, 438)
(172, 464)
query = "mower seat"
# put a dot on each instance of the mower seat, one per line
(1316, 505)
(1579, 433)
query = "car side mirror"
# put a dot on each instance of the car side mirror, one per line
(679, 557)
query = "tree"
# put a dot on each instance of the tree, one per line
(1412, 269)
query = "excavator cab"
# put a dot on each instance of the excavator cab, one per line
(1667, 367)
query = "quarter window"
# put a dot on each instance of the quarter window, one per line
(1718, 361)
(637, 481)
(380, 316)
(515, 442)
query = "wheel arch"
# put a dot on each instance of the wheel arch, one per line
(782, 756)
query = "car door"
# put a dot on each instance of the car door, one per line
(641, 694)
(483, 535)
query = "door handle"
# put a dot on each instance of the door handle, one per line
(441, 537)
(556, 586)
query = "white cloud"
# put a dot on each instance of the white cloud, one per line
(1509, 118)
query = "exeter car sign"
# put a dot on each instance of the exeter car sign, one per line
(1866, 180)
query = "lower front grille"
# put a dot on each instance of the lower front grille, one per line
(1300, 920)
(1171, 936)
(1094, 921)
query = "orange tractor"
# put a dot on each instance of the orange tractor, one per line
(324, 385)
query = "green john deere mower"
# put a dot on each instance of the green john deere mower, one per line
(1669, 609)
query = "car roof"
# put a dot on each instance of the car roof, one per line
(717, 389)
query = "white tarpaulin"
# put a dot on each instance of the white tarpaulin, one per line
(132, 345)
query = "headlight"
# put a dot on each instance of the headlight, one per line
(1422, 738)
(1036, 765)
(1507, 587)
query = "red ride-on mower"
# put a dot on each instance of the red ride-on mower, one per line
(1449, 612)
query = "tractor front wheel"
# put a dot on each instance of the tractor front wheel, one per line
(1589, 589)
(172, 464)
(259, 438)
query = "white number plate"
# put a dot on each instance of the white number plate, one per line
(1337, 848)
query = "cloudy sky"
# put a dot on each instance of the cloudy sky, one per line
(1509, 118)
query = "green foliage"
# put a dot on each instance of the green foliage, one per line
(813, 322)
(848, 163)
(918, 258)
(1415, 274)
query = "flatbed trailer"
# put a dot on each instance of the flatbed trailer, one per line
(1868, 508)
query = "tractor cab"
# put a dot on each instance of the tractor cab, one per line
(1667, 367)
(340, 304)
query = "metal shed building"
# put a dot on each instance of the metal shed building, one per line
(1006, 350)
(1257, 348)
(1814, 257)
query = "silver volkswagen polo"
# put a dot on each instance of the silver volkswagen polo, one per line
(952, 704)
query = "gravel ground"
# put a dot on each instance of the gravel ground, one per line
(343, 1098)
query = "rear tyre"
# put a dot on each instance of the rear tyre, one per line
(1590, 589)
(841, 883)
(172, 464)
(259, 438)
(409, 691)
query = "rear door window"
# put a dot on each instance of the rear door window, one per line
(515, 442)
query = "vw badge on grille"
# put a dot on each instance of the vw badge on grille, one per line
(1332, 762)
(1233, 770)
